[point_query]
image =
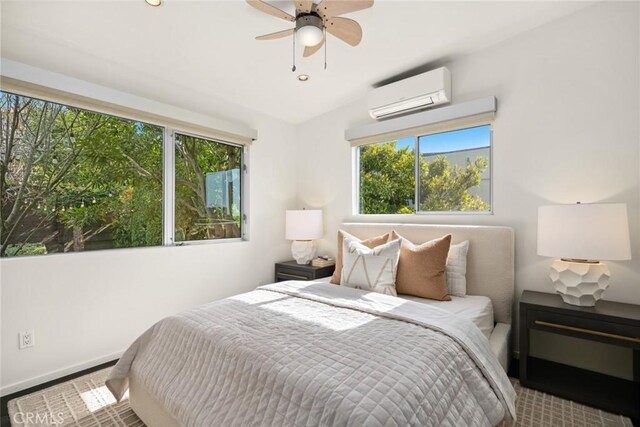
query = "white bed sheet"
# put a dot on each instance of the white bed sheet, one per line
(476, 308)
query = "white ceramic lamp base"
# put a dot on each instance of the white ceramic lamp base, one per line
(303, 251)
(580, 283)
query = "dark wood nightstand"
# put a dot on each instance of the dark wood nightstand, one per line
(291, 270)
(608, 322)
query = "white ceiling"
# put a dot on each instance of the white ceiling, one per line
(187, 53)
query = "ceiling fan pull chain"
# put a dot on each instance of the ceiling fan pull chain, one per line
(325, 47)
(293, 70)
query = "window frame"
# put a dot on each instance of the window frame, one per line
(168, 164)
(170, 205)
(356, 175)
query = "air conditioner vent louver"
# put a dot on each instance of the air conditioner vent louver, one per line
(412, 94)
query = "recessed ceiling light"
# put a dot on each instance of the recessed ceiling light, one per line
(154, 3)
(303, 77)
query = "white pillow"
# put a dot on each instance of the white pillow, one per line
(456, 270)
(372, 270)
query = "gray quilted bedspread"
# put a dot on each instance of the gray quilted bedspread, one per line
(315, 354)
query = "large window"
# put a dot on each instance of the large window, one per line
(75, 180)
(440, 172)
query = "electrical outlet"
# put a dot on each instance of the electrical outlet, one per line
(26, 339)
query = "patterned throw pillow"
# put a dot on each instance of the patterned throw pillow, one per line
(457, 269)
(369, 269)
(370, 243)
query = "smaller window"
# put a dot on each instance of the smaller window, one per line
(208, 184)
(442, 172)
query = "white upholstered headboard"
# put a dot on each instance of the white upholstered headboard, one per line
(490, 261)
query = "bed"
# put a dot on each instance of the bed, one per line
(311, 353)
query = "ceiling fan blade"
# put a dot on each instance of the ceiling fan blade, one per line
(276, 35)
(310, 50)
(347, 30)
(271, 10)
(303, 6)
(331, 8)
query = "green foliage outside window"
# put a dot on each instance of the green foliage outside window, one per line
(194, 219)
(445, 187)
(387, 179)
(74, 180)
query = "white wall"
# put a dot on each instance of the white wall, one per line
(87, 308)
(567, 130)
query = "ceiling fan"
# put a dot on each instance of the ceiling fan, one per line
(313, 21)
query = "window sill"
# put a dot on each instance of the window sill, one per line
(207, 242)
(420, 214)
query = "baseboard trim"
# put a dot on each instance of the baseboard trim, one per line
(53, 375)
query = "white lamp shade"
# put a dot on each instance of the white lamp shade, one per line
(598, 231)
(304, 225)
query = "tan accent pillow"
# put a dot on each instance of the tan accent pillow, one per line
(421, 269)
(370, 243)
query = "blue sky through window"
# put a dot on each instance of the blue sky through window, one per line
(463, 139)
(445, 142)
(406, 142)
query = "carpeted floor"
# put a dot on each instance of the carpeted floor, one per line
(86, 402)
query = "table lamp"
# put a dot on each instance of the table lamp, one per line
(303, 226)
(582, 235)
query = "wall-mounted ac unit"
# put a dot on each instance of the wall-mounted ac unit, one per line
(415, 93)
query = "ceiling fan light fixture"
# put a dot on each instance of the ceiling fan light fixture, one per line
(314, 20)
(309, 30)
(154, 3)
